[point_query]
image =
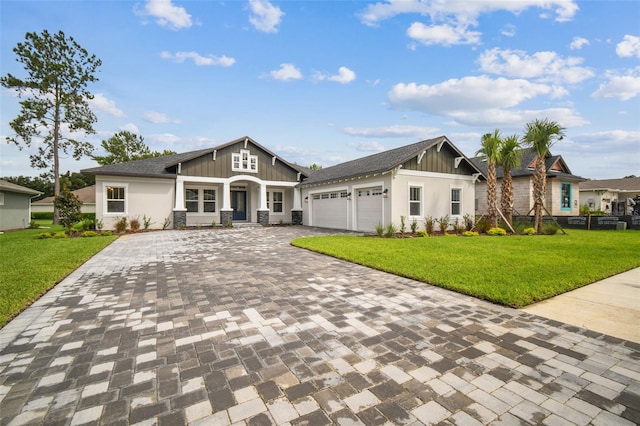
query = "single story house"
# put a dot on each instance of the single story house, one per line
(86, 195)
(617, 197)
(15, 205)
(242, 181)
(562, 192)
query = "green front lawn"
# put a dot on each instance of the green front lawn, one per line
(29, 266)
(510, 270)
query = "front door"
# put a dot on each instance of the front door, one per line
(239, 205)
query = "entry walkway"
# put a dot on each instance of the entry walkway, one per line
(236, 326)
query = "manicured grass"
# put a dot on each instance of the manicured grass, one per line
(29, 266)
(510, 270)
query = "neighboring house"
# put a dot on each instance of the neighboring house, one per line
(86, 195)
(242, 181)
(15, 205)
(612, 196)
(428, 178)
(562, 186)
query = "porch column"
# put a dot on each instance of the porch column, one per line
(263, 210)
(179, 210)
(226, 212)
(296, 211)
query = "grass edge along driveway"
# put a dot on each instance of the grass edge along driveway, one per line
(29, 267)
(513, 271)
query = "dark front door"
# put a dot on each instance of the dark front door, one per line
(239, 205)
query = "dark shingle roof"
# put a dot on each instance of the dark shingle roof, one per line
(528, 157)
(376, 163)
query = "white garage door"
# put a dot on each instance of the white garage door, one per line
(329, 210)
(369, 208)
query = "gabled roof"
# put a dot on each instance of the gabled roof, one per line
(12, 187)
(612, 185)
(378, 163)
(163, 166)
(554, 164)
(86, 195)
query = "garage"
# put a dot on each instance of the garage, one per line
(330, 210)
(368, 208)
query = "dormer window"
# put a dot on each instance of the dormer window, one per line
(244, 162)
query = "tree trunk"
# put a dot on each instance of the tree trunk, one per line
(56, 158)
(539, 190)
(507, 197)
(492, 195)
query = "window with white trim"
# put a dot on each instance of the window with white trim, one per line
(209, 200)
(243, 161)
(415, 201)
(456, 201)
(191, 200)
(275, 202)
(116, 199)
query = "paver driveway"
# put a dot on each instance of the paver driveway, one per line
(237, 326)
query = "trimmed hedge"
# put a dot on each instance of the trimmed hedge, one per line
(49, 216)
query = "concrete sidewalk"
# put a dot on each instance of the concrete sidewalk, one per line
(610, 306)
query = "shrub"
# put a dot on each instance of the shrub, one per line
(496, 232)
(214, 224)
(89, 234)
(483, 226)
(470, 234)
(380, 229)
(443, 222)
(549, 229)
(42, 215)
(83, 225)
(402, 224)
(33, 225)
(167, 222)
(422, 234)
(59, 235)
(468, 221)
(391, 230)
(68, 206)
(121, 225)
(99, 225)
(146, 222)
(529, 231)
(429, 224)
(134, 224)
(106, 233)
(414, 226)
(585, 210)
(45, 236)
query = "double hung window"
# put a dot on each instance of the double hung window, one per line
(115, 197)
(456, 201)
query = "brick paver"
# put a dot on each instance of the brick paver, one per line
(235, 325)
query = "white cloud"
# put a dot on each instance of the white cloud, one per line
(629, 47)
(542, 66)
(623, 87)
(509, 30)
(264, 16)
(517, 118)
(286, 72)
(101, 103)
(395, 131)
(368, 146)
(164, 138)
(616, 137)
(578, 43)
(461, 11)
(344, 76)
(468, 93)
(157, 117)
(199, 60)
(167, 14)
(130, 127)
(444, 34)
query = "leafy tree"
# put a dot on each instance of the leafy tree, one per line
(69, 207)
(510, 158)
(541, 135)
(126, 146)
(76, 180)
(490, 151)
(54, 97)
(315, 166)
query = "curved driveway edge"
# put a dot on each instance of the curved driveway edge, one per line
(237, 326)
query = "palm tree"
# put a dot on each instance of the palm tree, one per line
(510, 157)
(489, 150)
(541, 135)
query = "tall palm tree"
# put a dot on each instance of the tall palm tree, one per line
(541, 135)
(489, 150)
(510, 157)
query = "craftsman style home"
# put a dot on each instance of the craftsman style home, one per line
(562, 186)
(242, 181)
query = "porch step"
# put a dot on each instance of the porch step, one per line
(246, 225)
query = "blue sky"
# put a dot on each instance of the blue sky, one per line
(329, 81)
